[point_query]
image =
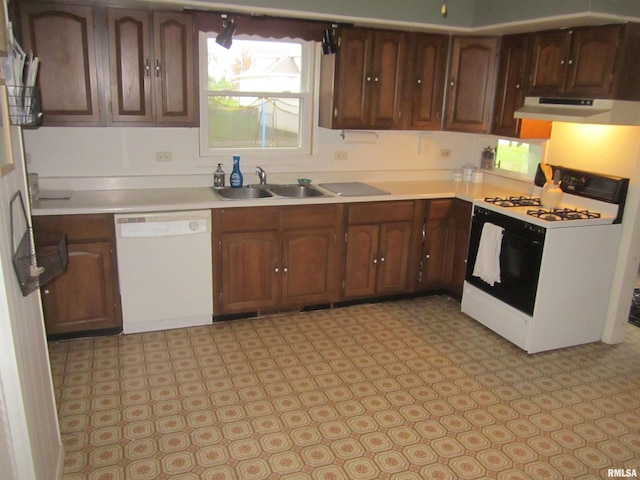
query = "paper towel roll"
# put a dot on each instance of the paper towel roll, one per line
(359, 137)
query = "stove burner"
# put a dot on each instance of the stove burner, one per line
(514, 201)
(555, 214)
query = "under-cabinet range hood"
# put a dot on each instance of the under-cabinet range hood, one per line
(581, 110)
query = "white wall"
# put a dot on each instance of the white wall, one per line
(614, 151)
(29, 436)
(123, 152)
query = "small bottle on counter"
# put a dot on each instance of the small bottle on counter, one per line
(486, 160)
(235, 178)
(218, 177)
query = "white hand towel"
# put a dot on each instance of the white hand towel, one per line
(487, 265)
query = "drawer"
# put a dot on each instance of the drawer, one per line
(376, 212)
(246, 219)
(309, 216)
(78, 228)
(438, 209)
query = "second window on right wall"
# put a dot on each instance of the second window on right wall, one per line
(518, 157)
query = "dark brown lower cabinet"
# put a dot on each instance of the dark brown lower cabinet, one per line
(268, 258)
(457, 245)
(443, 253)
(435, 234)
(86, 297)
(378, 247)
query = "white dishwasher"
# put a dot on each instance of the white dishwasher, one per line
(165, 269)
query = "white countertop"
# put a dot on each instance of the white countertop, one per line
(172, 199)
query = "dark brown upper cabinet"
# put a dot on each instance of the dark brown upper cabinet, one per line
(598, 62)
(151, 67)
(63, 38)
(112, 66)
(511, 84)
(471, 84)
(361, 85)
(426, 66)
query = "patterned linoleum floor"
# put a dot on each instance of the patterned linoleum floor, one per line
(400, 390)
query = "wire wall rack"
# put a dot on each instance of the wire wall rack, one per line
(40, 256)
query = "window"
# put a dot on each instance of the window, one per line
(518, 157)
(255, 96)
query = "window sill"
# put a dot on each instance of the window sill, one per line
(500, 177)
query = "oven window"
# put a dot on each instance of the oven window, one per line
(520, 258)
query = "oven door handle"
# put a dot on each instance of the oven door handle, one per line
(510, 234)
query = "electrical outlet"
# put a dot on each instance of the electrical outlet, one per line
(341, 155)
(445, 153)
(164, 156)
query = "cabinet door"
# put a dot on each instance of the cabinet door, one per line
(250, 271)
(471, 84)
(511, 84)
(354, 78)
(434, 248)
(63, 38)
(593, 56)
(83, 298)
(308, 259)
(549, 57)
(458, 243)
(361, 260)
(426, 83)
(130, 65)
(173, 68)
(393, 258)
(386, 79)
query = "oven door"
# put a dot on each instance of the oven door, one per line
(520, 258)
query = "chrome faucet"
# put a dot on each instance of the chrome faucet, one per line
(262, 175)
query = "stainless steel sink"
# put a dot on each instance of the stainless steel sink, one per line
(268, 191)
(295, 190)
(243, 193)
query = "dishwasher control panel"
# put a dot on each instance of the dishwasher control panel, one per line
(161, 225)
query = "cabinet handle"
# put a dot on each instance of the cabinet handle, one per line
(427, 256)
(517, 86)
(276, 269)
(381, 259)
(375, 261)
(562, 62)
(419, 82)
(46, 292)
(157, 68)
(368, 78)
(570, 62)
(375, 79)
(147, 67)
(453, 82)
(285, 269)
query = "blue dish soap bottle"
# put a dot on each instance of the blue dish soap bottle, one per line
(236, 175)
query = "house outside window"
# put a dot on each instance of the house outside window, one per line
(256, 96)
(515, 156)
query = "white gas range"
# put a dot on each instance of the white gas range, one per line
(538, 276)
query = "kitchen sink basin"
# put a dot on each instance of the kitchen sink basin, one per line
(295, 190)
(250, 192)
(243, 193)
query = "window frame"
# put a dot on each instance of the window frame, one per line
(542, 144)
(306, 96)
